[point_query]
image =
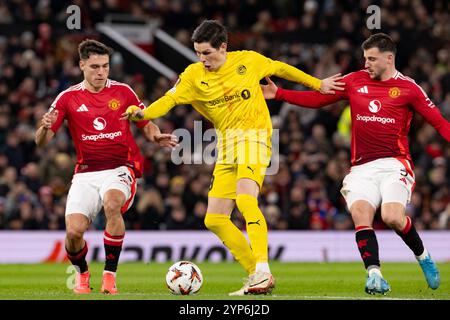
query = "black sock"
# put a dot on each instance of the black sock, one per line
(411, 237)
(113, 247)
(78, 259)
(367, 246)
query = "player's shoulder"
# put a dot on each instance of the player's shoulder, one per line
(112, 84)
(360, 74)
(403, 81)
(401, 78)
(240, 54)
(69, 92)
(193, 69)
(72, 89)
(246, 58)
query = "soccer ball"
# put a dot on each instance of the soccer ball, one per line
(184, 278)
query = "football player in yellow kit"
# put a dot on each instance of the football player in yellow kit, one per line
(224, 87)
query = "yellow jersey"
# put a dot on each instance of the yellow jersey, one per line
(230, 97)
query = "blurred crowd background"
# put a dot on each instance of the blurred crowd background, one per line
(38, 59)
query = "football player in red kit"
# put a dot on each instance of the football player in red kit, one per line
(108, 159)
(382, 102)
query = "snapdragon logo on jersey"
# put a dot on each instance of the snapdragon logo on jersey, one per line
(100, 124)
(374, 107)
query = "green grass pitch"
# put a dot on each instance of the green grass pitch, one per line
(294, 281)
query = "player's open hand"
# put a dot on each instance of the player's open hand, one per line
(330, 84)
(133, 113)
(166, 140)
(269, 90)
(49, 119)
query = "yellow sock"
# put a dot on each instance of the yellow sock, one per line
(256, 226)
(232, 238)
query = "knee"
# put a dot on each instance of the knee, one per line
(112, 207)
(362, 213)
(245, 202)
(74, 233)
(359, 216)
(393, 215)
(214, 220)
(392, 221)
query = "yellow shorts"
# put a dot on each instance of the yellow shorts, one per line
(250, 161)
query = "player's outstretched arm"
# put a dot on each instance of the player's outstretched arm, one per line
(433, 116)
(309, 99)
(427, 109)
(44, 133)
(153, 133)
(157, 109)
(326, 86)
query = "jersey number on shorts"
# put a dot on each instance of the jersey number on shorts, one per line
(125, 178)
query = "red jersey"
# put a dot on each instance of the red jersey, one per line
(102, 141)
(381, 113)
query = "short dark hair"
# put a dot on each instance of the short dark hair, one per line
(90, 46)
(211, 31)
(381, 41)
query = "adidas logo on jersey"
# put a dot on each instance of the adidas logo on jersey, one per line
(363, 90)
(82, 108)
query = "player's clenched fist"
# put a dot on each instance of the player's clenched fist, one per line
(133, 113)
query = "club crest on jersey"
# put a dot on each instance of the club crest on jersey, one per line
(241, 69)
(114, 104)
(394, 92)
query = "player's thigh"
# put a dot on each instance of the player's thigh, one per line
(361, 184)
(118, 189)
(396, 184)
(76, 225)
(393, 214)
(113, 201)
(393, 209)
(250, 179)
(251, 173)
(223, 182)
(362, 213)
(83, 198)
(247, 186)
(220, 205)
